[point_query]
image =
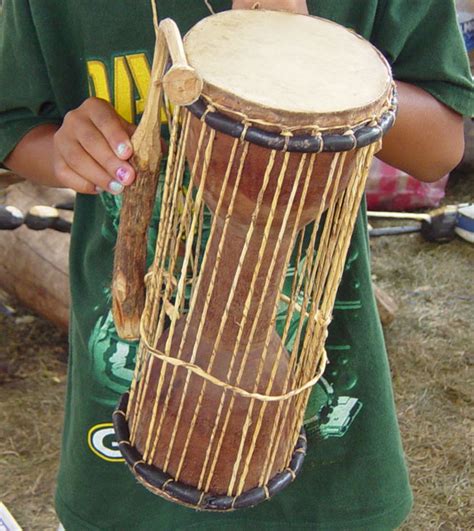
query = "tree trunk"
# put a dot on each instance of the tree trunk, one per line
(34, 264)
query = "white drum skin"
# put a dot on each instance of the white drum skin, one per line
(288, 69)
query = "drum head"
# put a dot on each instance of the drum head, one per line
(288, 70)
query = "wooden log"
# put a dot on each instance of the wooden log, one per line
(386, 306)
(34, 264)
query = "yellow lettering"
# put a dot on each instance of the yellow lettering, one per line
(123, 89)
(98, 80)
(141, 73)
(132, 78)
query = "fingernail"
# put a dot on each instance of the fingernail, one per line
(98, 189)
(122, 174)
(122, 149)
(115, 187)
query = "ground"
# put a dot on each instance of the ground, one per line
(431, 352)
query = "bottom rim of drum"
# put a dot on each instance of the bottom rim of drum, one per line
(165, 485)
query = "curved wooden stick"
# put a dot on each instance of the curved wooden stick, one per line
(182, 86)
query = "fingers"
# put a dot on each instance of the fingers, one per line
(74, 156)
(70, 179)
(241, 4)
(97, 148)
(92, 149)
(106, 120)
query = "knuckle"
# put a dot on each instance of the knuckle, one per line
(105, 120)
(57, 138)
(90, 103)
(93, 107)
(70, 117)
(62, 174)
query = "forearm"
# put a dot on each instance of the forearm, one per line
(32, 158)
(427, 140)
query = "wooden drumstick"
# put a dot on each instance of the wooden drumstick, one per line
(182, 86)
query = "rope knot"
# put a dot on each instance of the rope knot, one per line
(287, 134)
(351, 134)
(246, 124)
(316, 132)
(209, 108)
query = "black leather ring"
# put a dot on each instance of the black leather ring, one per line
(305, 143)
(162, 483)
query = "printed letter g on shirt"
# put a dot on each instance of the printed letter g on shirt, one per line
(102, 442)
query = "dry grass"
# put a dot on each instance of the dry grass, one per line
(431, 352)
(32, 385)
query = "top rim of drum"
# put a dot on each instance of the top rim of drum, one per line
(339, 98)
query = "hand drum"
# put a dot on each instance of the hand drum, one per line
(278, 148)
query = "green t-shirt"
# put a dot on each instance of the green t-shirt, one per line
(53, 55)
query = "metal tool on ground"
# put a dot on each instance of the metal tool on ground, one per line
(465, 223)
(435, 226)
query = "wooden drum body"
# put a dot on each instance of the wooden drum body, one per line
(277, 169)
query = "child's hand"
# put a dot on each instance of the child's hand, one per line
(294, 6)
(91, 149)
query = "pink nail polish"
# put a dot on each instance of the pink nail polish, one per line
(122, 174)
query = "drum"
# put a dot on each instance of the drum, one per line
(278, 148)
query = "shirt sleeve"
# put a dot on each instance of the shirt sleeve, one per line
(423, 43)
(26, 96)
